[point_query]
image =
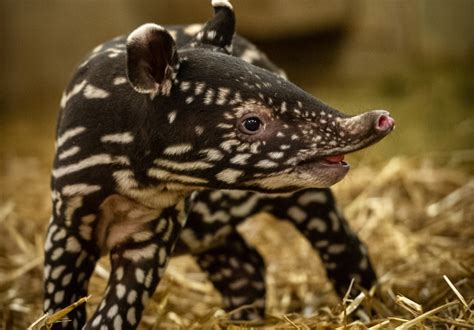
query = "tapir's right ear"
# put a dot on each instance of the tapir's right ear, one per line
(152, 59)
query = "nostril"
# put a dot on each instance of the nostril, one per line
(385, 122)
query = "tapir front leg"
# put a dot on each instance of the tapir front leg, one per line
(70, 254)
(69, 265)
(141, 242)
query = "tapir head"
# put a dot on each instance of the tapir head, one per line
(216, 121)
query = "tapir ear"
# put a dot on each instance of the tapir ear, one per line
(151, 58)
(219, 31)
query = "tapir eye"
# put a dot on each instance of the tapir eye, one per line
(251, 125)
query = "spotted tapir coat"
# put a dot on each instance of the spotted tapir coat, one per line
(169, 138)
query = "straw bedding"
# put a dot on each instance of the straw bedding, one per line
(415, 214)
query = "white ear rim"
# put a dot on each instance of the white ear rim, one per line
(142, 30)
(222, 3)
(135, 37)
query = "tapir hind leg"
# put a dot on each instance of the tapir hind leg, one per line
(315, 214)
(312, 211)
(237, 272)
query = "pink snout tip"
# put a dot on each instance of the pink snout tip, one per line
(385, 123)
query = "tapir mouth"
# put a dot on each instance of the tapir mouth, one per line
(332, 161)
(329, 162)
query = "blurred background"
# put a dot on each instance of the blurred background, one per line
(410, 197)
(414, 58)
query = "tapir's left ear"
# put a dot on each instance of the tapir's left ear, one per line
(152, 59)
(219, 31)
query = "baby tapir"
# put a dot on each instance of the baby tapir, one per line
(148, 126)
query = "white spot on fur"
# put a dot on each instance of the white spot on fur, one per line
(224, 125)
(112, 311)
(124, 138)
(276, 154)
(118, 322)
(147, 252)
(59, 297)
(131, 317)
(199, 88)
(165, 88)
(266, 163)
(120, 291)
(311, 197)
(69, 152)
(199, 130)
(254, 147)
(85, 232)
(212, 154)
(119, 273)
(334, 221)
(139, 275)
(172, 116)
(59, 235)
(101, 159)
(93, 92)
(119, 81)
(245, 208)
(229, 175)
(162, 256)
(141, 236)
(178, 149)
(97, 320)
(57, 271)
(73, 245)
(184, 86)
(79, 189)
(57, 253)
(167, 176)
(182, 166)
(227, 145)
(209, 97)
(222, 95)
(74, 91)
(240, 159)
(132, 297)
(336, 248)
(318, 224)
(238, 284)
(209, 217)
(297, 214)
(79, 261)
(70, 133)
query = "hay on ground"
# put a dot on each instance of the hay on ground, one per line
(416, 216)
